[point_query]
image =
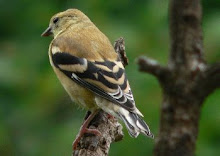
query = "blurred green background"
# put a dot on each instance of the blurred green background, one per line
(36, 115)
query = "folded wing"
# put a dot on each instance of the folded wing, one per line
(105, 78)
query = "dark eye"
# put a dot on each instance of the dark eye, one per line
(55, 20)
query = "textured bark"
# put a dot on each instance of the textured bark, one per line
(91, 145)
(186, 81)
(119, 46)
(109, 127)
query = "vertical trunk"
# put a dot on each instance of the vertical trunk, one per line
(181, 101)
(178, 126)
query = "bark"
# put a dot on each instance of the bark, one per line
(109, 127)
(186, 81)
(91, 145)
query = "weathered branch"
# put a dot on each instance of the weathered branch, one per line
(153, 67)
(110, 129)
(213, 76)
(91, 145)
(209, 80)
(119, 46)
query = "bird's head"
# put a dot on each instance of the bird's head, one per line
(63, 20)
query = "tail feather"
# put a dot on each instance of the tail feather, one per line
(131, 128)
(134, 123)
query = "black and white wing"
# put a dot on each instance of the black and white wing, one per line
(105, 78)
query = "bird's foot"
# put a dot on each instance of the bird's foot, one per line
(82, 132)
(84, 129)
(109, 116)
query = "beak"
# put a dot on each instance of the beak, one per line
(47, 32)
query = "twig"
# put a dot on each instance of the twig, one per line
(153, 67)
(119, 46)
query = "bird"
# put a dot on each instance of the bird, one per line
(91, 72)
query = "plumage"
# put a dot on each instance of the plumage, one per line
(90, 70)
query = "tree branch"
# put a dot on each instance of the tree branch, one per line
(110, 129)
(209, 80)
(119, 46)
(213, 76)
(92, 145)
(151, 66)
(186, 82)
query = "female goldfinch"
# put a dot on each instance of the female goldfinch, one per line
(91, 71)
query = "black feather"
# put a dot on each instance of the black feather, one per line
(66, 59)
(92, 70)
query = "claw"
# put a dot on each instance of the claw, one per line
(84, 130)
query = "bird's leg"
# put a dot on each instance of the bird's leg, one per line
(87, 115)
(109, 116)
(84, 129)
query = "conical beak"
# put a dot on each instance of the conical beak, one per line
(47, 32)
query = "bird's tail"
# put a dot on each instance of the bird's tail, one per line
(134, 123)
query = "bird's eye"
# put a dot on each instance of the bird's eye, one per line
(55, 20)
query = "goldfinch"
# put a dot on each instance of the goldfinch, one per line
(91, 72)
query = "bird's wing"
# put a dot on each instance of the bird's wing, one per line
(104, 78)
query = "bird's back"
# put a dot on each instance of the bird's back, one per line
(86, 42)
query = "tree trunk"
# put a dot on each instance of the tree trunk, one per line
(186, 81)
